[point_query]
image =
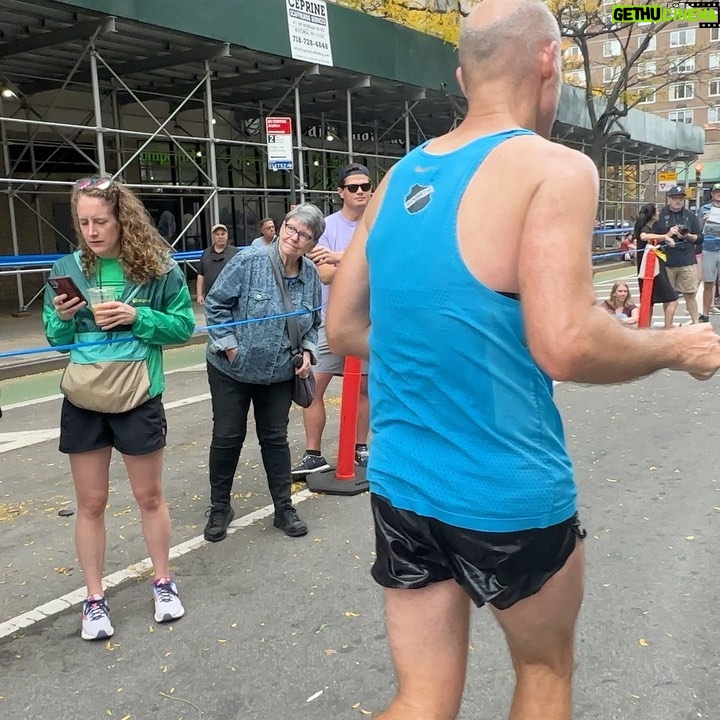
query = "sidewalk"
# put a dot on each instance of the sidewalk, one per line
(25, 332)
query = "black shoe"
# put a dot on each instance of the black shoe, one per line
(218, 520)
(290, 522)
(704, 318)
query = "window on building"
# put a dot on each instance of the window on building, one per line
(714, 88)
(682, 91)
(714, 34)
(572, 51)
(647, 69)
(681, 116)
(713, 60)
(681, 38)
(652, 45)
(714, 115)
(647, 95)
(682, 66)
(611, 48)
(610, 74)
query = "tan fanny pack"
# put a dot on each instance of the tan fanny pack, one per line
(114, 386)
(107, 377)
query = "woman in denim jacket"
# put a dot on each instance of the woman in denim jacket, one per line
(253, 362)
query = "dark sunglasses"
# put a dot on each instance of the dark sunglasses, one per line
(98, 182)
(353, 187)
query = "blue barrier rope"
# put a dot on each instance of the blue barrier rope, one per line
(29, 261)
(111, 341)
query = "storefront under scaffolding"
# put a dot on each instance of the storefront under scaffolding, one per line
(177, 110)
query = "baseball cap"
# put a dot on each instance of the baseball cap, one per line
(352, 169)
(217, 226)
(715, 187)
(676, 190)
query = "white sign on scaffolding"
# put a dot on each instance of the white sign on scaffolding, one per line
(309, 30)
(279, 143)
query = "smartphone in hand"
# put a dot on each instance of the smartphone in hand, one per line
(65, 285)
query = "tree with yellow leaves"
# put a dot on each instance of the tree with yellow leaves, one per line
(628, 51)
(434, 17)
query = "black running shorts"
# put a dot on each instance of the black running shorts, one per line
(139, 431)
(497, 568)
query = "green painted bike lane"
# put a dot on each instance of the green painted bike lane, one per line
(33, 387)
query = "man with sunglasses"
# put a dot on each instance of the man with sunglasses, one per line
(355, 189)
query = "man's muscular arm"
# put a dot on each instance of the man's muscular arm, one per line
(579, 341)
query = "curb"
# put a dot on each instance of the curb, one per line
(23, 368)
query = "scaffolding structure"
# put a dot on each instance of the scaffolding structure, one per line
(181, 120)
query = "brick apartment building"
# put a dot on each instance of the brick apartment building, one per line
(678, 76)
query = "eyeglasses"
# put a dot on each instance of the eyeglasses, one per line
(354, 187)
(99, 182)
(292, 230)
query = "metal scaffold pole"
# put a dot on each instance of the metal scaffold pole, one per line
(212, 156)
(99, 139)
(11, 205)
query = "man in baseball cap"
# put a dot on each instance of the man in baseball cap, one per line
(355, 189)
(213, 260)
(682, 225)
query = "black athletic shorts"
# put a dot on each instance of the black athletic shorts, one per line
(497, 568)
(139, 431)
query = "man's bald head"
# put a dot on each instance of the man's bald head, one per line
(500, 38)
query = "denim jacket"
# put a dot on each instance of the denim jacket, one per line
(247, 289)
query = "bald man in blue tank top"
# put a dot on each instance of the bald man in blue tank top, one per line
(472, 489)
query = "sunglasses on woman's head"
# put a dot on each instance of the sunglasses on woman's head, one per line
(354, 187)
(98, 182)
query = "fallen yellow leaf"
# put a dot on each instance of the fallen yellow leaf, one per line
(356, 706)
(351, 613)
(222, 641)
(643, 642)
(690, 537)
(366, 712)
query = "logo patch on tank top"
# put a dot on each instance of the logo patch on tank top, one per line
(418, 198)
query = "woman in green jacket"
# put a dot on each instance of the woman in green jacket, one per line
(134, 300)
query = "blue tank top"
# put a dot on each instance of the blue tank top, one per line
(465, 429)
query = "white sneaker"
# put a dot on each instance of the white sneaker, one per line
(167, 602)
(96, 619)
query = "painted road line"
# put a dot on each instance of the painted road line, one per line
(131, 572)
(15, 440)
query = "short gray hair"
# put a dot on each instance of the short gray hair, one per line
(309, 215)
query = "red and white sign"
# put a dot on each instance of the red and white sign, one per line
(279, 143)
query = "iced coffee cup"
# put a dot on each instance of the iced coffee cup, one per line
(98, 296)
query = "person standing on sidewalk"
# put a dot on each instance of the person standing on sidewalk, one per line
(113, 392)
(267, 233)
(213, 260)
(253, 363)
(355, 190)
(472, 487)
(682, 225)
(710, 224)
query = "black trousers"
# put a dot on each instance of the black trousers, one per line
(230, 406)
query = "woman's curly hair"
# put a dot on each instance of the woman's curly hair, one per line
(143, 252)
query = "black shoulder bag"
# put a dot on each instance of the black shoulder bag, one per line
(303, 388)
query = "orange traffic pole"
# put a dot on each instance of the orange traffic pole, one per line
(347, 479)
(647, 288)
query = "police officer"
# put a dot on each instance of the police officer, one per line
(683, 226)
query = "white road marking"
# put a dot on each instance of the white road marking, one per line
(15, 440)
(76, 597)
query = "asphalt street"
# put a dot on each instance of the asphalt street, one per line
(279, 627)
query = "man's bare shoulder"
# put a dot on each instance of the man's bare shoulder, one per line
(563, 159)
